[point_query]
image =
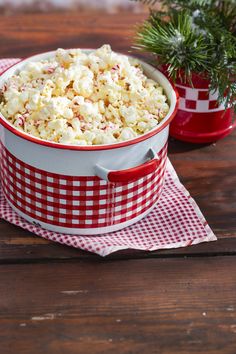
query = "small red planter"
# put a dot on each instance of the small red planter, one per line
(200, 119)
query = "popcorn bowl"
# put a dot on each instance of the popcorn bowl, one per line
(84, 189)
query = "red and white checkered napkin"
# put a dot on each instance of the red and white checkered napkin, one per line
(176, 221)
(7, 62)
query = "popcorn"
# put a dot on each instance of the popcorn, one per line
(75, 122)
(129, 114)
(59, 125)
(127, 133)
(84, 99)
(88, 109)
(68, 136)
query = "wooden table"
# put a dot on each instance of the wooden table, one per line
(55, 299)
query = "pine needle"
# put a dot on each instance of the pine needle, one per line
(194, 37)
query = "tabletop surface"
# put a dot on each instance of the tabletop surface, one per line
(55, 299)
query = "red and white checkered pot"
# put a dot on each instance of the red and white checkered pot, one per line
(200, 118)
(84, 189)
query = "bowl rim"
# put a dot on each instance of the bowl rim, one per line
(166, 121)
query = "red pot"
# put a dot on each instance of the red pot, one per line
(85, 190)
(200, 119)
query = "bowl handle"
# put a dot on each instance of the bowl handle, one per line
(130, 174)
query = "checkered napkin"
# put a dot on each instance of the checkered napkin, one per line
(176, 221)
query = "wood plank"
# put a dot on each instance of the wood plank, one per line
(11, 254)
(26, 34)
(135, 306)
(209, 173)
(25, 247)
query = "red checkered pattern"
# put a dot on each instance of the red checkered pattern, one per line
(197, 100)
(7, 62)
(175, 221)
(77, 202)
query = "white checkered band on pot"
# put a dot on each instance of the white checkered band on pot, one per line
(198, 100)
(77, 201)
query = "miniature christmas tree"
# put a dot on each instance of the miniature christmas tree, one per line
(194, 37)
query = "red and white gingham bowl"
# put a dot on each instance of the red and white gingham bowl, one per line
(84, 189)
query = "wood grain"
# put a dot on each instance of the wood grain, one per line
(29, 248)
(137, 306)
(24, 35)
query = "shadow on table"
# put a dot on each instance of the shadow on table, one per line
(177, 147)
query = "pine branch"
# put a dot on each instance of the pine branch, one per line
(224, 9)
(200, 39)
(175, 44)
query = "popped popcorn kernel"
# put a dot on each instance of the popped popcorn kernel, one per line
(84, 99)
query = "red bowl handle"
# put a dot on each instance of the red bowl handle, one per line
(130, 174)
